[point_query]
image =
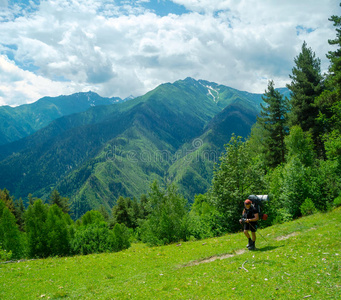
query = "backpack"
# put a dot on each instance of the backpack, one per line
(257, 201)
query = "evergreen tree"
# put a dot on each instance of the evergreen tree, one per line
(31, 199)
(60, 201)
(7, 199)
(144, 210)
(19, 213)
(104, 212)
(136, 213)
(330, 100)
(305, 87)
(273, 119)
(122, 212)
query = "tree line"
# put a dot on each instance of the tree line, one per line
(293, 154)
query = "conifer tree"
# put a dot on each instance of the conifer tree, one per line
(273, 118)
(305, 87)
(122, 211)
(330, 100)
(104, 212)
(7, 199)
(60, 201)
(19, 213)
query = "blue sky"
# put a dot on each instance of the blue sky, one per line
(122, 48)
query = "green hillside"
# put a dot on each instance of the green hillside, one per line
(19, 122)
(95, 156)
(298, 260)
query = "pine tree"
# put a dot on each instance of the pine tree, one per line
(60, 201)
(330, 101)
(305, 87)
(104, 212)
(7, 199)
(273, 118)
(19, 213)
(122, 211)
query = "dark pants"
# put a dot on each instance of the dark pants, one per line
(253, 228)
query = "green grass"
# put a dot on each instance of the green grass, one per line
(301, 258)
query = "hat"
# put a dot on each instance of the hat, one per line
(247, 201)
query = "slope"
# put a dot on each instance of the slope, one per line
(21, 121)
(166, 118)
(96, 156)
(192, 170)
(301, 259)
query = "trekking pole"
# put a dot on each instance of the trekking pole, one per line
(258, 232)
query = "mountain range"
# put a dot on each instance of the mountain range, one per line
(93, 149)
(21, 121)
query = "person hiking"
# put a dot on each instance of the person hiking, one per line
(249, 218)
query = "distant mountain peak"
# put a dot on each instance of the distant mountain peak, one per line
(130, 97)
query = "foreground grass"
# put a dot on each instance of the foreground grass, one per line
(300, 259)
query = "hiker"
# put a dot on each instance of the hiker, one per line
(250, 218)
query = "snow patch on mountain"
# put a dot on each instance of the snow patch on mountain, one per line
(212, 92)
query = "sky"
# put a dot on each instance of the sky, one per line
(122, 48)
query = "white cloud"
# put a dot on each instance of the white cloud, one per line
(123, 50)
(18, 86)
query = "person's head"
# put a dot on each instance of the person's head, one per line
(247, 203)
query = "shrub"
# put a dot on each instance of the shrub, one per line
(5, 255)
(10, 236)
(282, 215)
(337, 201)
(308, 207)
(98, 238)
(122, 237)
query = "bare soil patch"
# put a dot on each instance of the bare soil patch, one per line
(285, 237)
(213, 258)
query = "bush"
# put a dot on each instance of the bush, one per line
(308, 207)
(10, 236)
(122, 237)
(337, 201)
(98, 238)
(282, 216)
(5, 255)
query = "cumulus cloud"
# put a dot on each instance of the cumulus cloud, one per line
(119, 50)
(18, 86)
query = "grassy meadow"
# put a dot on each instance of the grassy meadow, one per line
(300, 260)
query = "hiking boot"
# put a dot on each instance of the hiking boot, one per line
(249, 244)
(252, 246)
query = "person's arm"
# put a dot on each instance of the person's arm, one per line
(240, 221)
(255, 219)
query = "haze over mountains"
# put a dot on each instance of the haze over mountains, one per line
(95, 149)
